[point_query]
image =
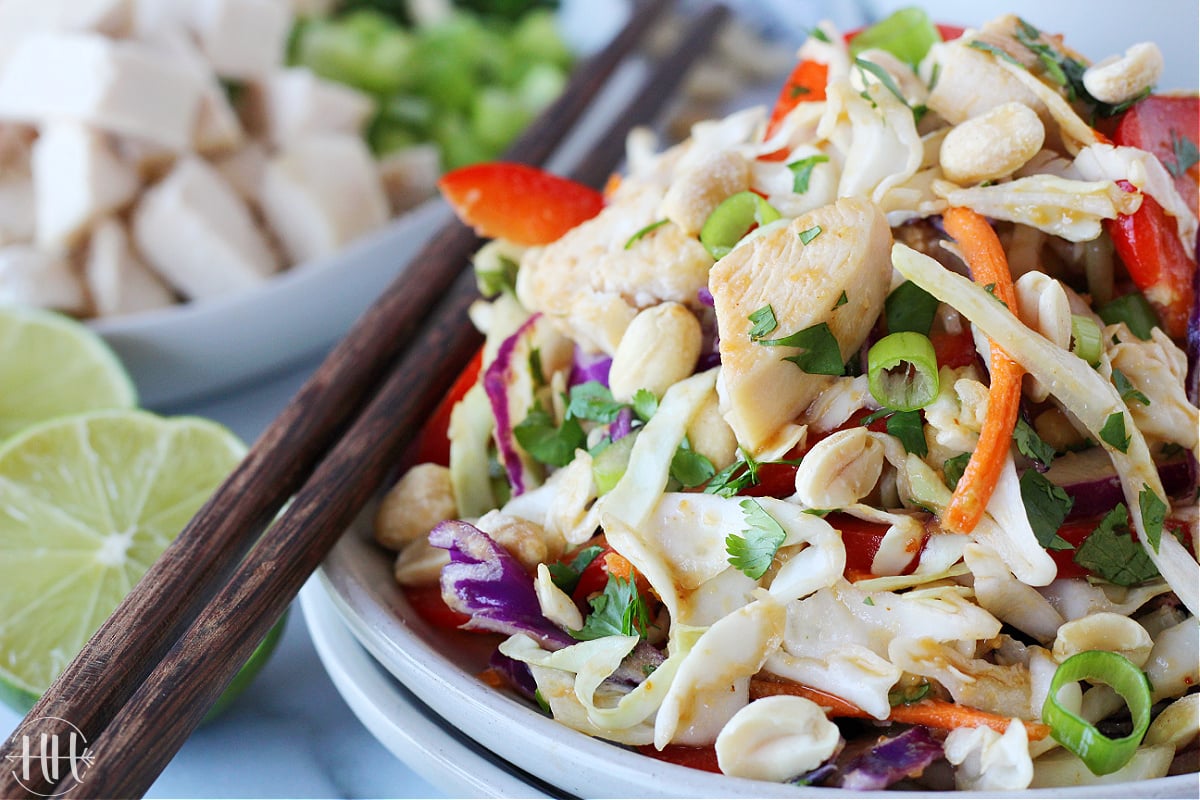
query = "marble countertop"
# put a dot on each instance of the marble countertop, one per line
(290, 734)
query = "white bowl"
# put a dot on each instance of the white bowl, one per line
(185, 351)
(440, 666)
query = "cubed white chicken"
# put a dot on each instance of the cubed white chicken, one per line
(320, 193)
(16, 210)
(410, 175)
(116, 279)
(243, 39)
(20, 18)
(195, 230)
(244, 169)
(76, 178)
(153, 18)
(840, 276)
(123, 87)
(218, 128)
(294, 103)
(32, 277)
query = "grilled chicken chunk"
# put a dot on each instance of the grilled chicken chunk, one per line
(804, 285)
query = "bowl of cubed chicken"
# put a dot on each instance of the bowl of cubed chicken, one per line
(220, 187)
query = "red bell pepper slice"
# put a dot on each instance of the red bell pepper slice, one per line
(517, 202)
(427, 602)
(703, 758)
(1147, 241)
(433, 442)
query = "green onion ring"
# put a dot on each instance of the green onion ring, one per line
(911, 355)
(732, 220)
(1101, 754)
(1085, 339)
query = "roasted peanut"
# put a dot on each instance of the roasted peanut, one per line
(1119, 78)
(418, 501)
(992, 145)
(659, 348)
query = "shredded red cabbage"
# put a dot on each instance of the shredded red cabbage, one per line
(495, 384)
(903, 756)
(486, 583)
(588, 367)
(622, 426)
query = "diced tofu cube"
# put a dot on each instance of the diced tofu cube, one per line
(32, 277)
(76, 178)
(119, 283)
(16, 211)
(198, 234)
(320, 193)
(410, 175)
(294, 103)
(244, 169)
(119, 86)
(243, 39)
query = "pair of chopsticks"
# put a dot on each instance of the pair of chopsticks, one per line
(144, 681)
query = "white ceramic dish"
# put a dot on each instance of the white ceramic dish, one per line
(439, 667)
(419, 738)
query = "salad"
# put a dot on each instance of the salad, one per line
(850, 442)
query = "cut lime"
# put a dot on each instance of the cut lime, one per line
(51, 365)
(87, 503)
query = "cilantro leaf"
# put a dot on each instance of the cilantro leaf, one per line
(618, 611)
(802, 171)
(691, 468)
(1186, 154)
(547, 443)
(842, 300)
(731, 480)
(535, 367)
(910, 308)
(995, 51)
(566, 575)
(907, 427)
(953, 469)
(1129, 392)
(1110, 552)
(1030, 445)
(809, 234)
(763, 322)
(593, 401)
(1046, 506)
(1114, 433)
(754, 551)
(1154, 513)
(644, 404)
(819, 35)
(907, 695)
(885, 78)
(820, 353)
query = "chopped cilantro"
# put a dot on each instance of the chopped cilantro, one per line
(802, 171)
(910, 308)
(541, 701)
(885, 78)
(754, 551)
(633, 239)
(763, 322)
(731, 480)
(566, 575)
(1186, 154)
(995, 51)
(842, 300)
(593, 401)
(493, 282)
(1114, 433)
(644, 404)
(535, 367)
(907, 695)
(820, 354)
(1030, 445)
(953, 469)
(690, 468)
(819, 35)
(1154, 513)
(809, 234)
(1046, 506)
(870, 601)
(547, 443)
(907, 427)
(1129, 392)
(1110, 552)
(618, 611)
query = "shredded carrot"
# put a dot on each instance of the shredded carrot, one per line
(492, 678)
(611, 185)
(616, 564)
(989, 267)
(938, 714)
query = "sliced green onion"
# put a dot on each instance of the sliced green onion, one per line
(733, 219)
(608, 466)
(1085, 339)
(907, 34)
(902, 371)
(1134, 310)
(644, 231)
(1101, 754)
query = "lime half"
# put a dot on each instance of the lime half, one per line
(51, 365)
(87, 503)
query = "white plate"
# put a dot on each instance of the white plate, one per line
(439, 666)
(189, 350)
(419, 738)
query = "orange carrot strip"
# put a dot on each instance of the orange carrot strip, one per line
(930, 713)
(989, 267)
(616, 564)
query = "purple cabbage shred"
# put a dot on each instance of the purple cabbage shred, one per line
(622, 426)
(495, 384)
(903, 756)
(588, 367)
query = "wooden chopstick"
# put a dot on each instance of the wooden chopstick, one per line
(166, 601)
(145, 733)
